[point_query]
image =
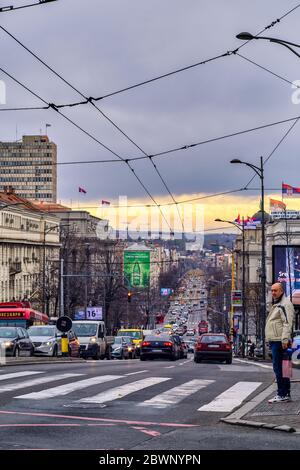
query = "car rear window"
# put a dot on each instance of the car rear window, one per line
(157, 338)
(213, 339)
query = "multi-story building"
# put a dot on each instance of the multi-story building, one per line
(29, 167)
(29, 240)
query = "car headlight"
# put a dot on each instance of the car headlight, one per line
(138, 346)
(8, 344)
(47, 343)
(129, 349)
(117, 349)
(93, 339)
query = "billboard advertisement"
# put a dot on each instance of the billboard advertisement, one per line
(165, 291)
(286, 269)
(137, 268)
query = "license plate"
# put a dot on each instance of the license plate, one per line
(157, 350)
(213, 346)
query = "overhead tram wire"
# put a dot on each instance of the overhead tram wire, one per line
(103, 115)
(145, 82)
(95, 139)
(12, 8)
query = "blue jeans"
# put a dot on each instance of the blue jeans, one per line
(283, 384)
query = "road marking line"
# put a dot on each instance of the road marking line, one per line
(15, 375)
(38, 381)
(176, 394)
(264, 366)
(68, 388)
(123, 390)
(169, 367)
(231, 398)
(139, 372)
(109, 420)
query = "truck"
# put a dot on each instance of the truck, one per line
(93, 340)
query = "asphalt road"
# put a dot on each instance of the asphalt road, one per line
(128, 405)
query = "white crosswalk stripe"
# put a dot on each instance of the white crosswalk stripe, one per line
(69, 388)
(15, 375)
(231, 398)
(39, 381)
(176, 394)
(123, 390)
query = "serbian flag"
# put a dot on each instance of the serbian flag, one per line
(277, 205)
(238, 219)
(82, 190)
(105, 203)
(290, 191)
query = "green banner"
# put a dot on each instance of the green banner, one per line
(137, 268)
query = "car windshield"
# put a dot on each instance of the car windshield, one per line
(131, 334)
(85, 329)
(42, 331)
(213, 339)
(118, 340)
(8, 333)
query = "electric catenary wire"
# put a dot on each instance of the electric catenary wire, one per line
(101, 112)
(95, 139)
(12, 8)
(145, 82)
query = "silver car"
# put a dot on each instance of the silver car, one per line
(46, 340)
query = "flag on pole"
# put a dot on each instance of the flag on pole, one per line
(82, 190)
(290, 191)
(48, 125)
(238, 219)
(105, 203)
(277, 205)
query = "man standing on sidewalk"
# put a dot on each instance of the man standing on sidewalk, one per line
(279, 327)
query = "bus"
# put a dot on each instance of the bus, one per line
(20, 314)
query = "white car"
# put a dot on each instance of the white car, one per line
(45, 339)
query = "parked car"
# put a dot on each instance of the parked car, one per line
(213, 346)
(15, 341)
(162, 345)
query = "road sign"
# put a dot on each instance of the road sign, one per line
(64, 324)
(236, 298)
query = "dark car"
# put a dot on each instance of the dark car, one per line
(15, 341)
(215, 346)
(183, 349)
(160, 346)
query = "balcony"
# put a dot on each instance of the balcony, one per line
(15, 268)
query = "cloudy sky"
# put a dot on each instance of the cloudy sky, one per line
(104, 45)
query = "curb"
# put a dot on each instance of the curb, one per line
(256, 424)
(27, 363)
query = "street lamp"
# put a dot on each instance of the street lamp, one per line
(259, 170)
(248, 37)
(242, 229)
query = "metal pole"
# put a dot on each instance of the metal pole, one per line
(44, 267)
(263, 258)
(61, 287)
(243, 291)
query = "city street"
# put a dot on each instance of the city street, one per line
(132, 405)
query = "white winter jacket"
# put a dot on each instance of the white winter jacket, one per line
(279, 324)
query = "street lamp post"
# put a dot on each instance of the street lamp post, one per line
(248, 37)
(259, 170)
(242, 229)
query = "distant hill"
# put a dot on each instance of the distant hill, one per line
(223, 239)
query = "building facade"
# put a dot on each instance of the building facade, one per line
(29, 240)
(30, 168)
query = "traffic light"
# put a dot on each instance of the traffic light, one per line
(129, 295)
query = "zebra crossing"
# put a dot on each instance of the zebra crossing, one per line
(225, 401)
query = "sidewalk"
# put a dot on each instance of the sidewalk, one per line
(277, 416)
